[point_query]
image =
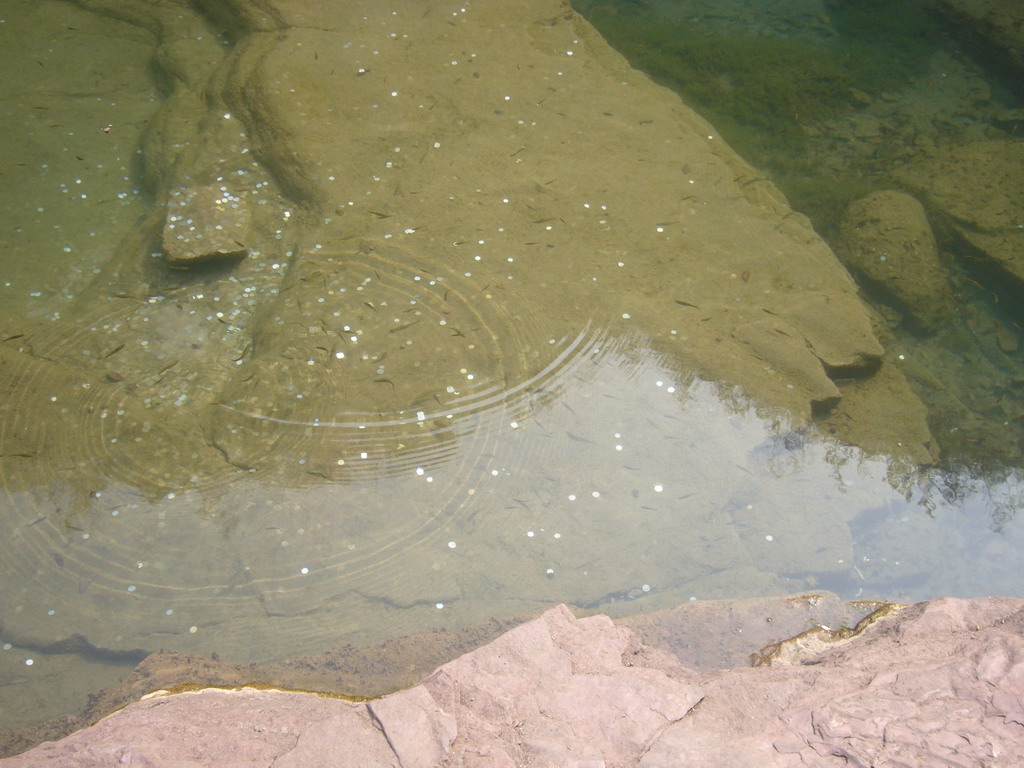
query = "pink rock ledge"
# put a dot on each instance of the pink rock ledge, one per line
(938, 684)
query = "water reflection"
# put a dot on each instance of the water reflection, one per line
(609, 475)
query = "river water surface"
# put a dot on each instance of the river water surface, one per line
(561, 463)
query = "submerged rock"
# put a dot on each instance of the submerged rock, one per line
(996, 24)
(206, 224)
(885, 239)
(977, 191)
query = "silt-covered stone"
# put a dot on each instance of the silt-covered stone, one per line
(206, 223)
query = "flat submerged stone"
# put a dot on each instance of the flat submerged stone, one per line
(206, 224)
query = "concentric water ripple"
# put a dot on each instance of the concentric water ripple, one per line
(372, 361)
(119, 501)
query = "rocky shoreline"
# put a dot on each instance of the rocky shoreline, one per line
(936, 682)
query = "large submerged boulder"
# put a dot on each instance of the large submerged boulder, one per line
(404, 135)
(886, 240)
(401, 143)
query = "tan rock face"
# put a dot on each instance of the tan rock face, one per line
(886, 240)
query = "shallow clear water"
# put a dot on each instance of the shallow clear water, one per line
(513, 459)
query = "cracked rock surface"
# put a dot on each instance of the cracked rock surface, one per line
(938, 683)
